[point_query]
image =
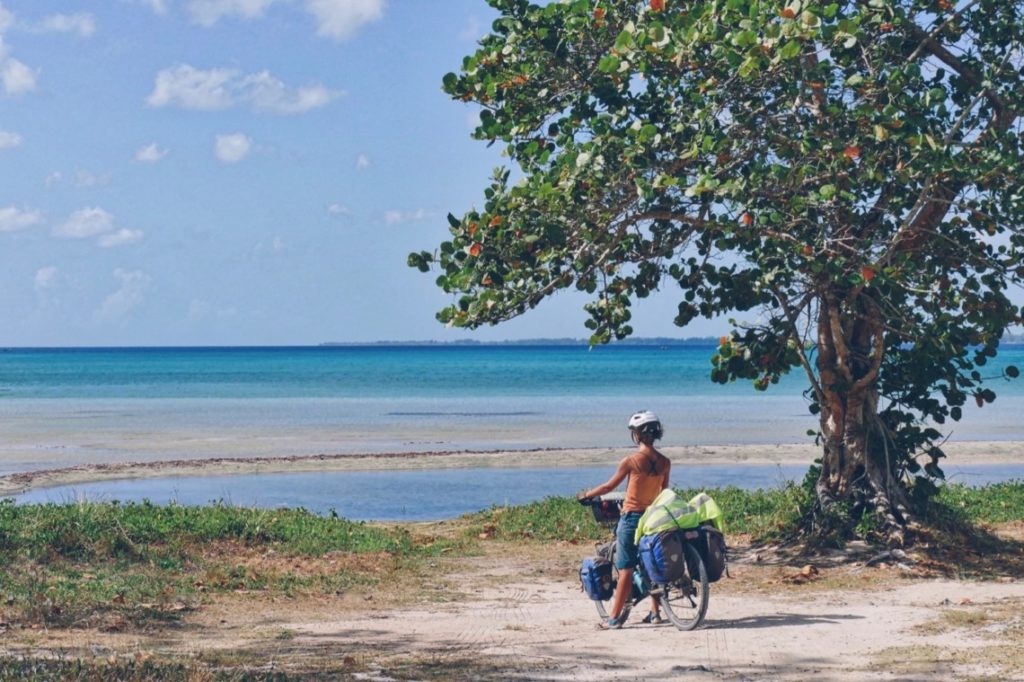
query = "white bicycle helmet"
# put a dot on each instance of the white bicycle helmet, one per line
(647, 423)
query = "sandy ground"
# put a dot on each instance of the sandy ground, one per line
(519, 613)
(523, 617)
(994, 452)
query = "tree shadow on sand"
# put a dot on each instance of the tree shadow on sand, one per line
(779, 620)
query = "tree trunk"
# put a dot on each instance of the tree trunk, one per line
(857, 475)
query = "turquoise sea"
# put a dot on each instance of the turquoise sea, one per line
(63, 407)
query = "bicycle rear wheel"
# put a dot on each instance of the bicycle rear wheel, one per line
(686, 600)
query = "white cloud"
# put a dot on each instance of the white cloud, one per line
(85, 223)
(53, 178)
(82, 24)
(232, 148)
(17, 78)
(46, 279)
(9, 139)
(267, 93)
(120, 238)
(395, 217)
(84, 178)
(362, 162)
(339, 210)
(340, 19)
(187, 87)
(128, 296)
(151, 153)
(209, 12)
(13, 219)
(6, 19)
(158, 6)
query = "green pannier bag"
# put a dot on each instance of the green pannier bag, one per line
(670, 512)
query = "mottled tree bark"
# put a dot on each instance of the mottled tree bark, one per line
(855, 471)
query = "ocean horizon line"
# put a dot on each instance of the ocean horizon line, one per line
(702, 341)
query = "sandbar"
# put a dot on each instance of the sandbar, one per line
(978, 452)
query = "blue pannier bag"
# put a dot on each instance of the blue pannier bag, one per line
(662, 555)
(596, 578)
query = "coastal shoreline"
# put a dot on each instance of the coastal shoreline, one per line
(976, 452)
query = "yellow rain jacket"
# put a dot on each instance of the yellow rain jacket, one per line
(669, 511)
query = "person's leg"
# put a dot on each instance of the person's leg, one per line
(626, 558)
(622, 591)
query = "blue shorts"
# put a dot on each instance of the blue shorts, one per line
(627, 555)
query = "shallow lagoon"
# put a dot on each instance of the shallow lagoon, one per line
(434, 494)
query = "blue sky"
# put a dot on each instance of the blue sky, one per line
(189, 172)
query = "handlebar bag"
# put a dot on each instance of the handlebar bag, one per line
(662, 555)
(596, 578)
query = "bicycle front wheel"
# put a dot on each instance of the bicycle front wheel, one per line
(686, 600)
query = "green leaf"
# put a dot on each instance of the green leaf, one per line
(790, 50)
(609, 64)
(624, 41)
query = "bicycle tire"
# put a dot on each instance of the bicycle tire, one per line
(685, 601)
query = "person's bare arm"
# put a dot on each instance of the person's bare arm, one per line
(612, 483)
(668, 470)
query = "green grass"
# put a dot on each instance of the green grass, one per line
(993, 503)
(76, 670)
(79, 564)
(144, 531)
(762, 514)
(758, 513)
(84, 564)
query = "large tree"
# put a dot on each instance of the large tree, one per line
(851, 171)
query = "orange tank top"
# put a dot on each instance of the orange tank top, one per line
(645, 479)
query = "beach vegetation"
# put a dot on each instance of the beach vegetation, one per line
(107, 564)
(761, 514)
(140, 668)
(844, 178)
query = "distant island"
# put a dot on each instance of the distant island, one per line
(693, 341)
(566, 341)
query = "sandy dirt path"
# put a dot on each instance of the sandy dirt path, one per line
(502, 616)
(545, 629)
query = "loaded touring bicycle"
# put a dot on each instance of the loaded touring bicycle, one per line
(682, 551)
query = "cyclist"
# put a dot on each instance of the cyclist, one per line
(648, 472)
